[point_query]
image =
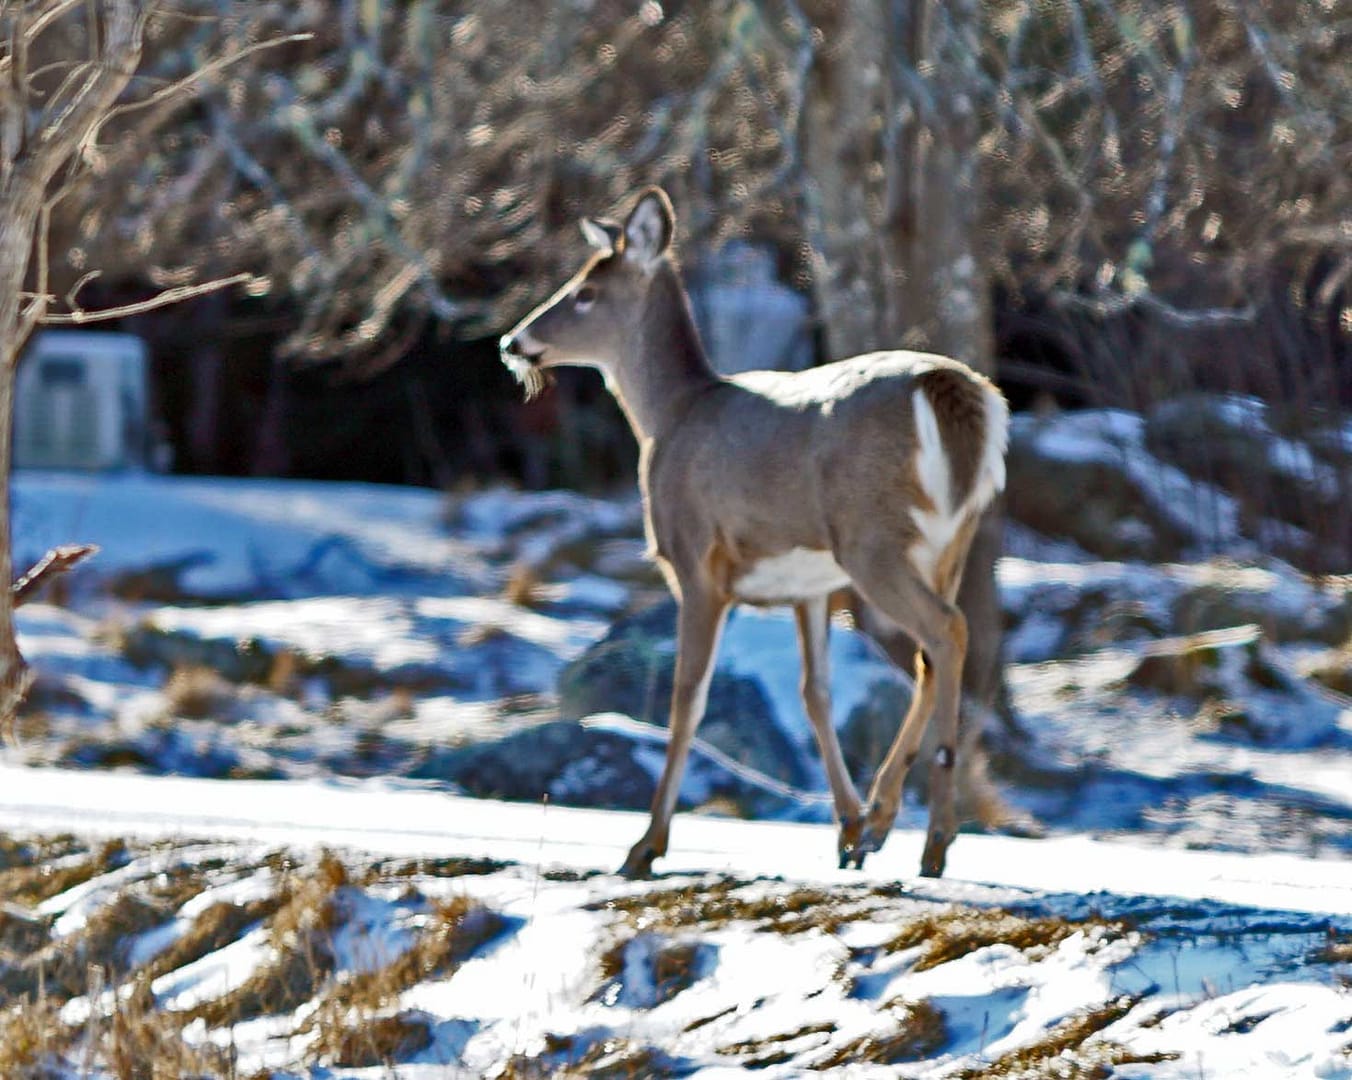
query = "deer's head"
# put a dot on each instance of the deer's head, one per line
(594, 318)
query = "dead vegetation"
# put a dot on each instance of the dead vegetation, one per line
(371, 1042)
(453, 931)
(212, 929)
(710, 904)
(299, 933)
(954, 932)
(42, 869)
(200, 693)
(355, 1022)
(778, 1048)
(31, 1033)
(1336, 950)
(567, 1057)
(663, 966)
(1070, 1049)
(919, 1031)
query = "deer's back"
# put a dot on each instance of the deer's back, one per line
(771, 461)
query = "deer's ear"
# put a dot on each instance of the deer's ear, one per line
(602, 235)
(650, 227)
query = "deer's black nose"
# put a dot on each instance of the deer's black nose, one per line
(509, 346)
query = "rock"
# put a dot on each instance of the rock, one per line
(871, 727)
(630, 671)
(1244, 690)
(1333, 671)
(1087, 495)
(1188, 666)
(1226, 441)
(1322, 617)
(561, 759)
(147, 645)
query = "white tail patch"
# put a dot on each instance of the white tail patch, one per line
(931, 461)
(939, 526)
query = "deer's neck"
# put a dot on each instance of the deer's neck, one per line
(667, 366)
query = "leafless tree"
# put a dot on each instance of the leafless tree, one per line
(64, 70)
(49, 113)
(1172, 163)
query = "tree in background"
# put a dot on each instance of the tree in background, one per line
(413, 160)
(898, 256)
(50, 112)
(64, 68)
(1152, 184)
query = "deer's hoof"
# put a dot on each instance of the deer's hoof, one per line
(866, 844)
(934, 856)
(852, 857)
(639, 862)
(847, 846)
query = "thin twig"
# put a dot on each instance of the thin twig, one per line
(187, 81)
(163, 299)
(55, 563)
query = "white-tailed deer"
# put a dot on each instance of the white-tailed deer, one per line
(779, 488)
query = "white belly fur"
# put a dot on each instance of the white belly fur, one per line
(798, 574)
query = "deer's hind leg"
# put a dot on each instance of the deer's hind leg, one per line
(940, 629)
(813, 629)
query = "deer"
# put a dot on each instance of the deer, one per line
(780, 488)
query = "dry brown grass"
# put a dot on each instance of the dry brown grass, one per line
(352, 1025)
(673, 966)
(47, 868)
(22, 932)
(955, 932)
(1067, 1050)
(525, 586)
(604, 1059)
(446, 867)
(60, 969)
(299, 933)
(31, 1036)
(1336, 950)
(374, 1041)
(142, 1042)
(454, 930)
(772, 1050)
(708, 905)
(199, 693)
(919, 1031)
(214, 928)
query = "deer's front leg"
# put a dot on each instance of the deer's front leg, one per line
(698, 627)
(813, 630)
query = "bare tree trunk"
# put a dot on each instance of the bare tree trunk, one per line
(889, 147)
(38, 138)
(20, 205)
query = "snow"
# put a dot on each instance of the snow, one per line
(1197, 840)
(1240, 961)
(398, 819)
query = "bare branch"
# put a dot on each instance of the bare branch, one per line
(163, 299)
(52, 565)
(186, 83)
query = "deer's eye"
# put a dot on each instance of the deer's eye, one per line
(585, 297)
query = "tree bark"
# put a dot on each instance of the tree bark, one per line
(35, 144)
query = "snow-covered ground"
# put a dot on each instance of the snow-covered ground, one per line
(751, 952)
(254, 672)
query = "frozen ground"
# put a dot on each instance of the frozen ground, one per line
(251, 672)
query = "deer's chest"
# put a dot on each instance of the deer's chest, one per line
(797, 574)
